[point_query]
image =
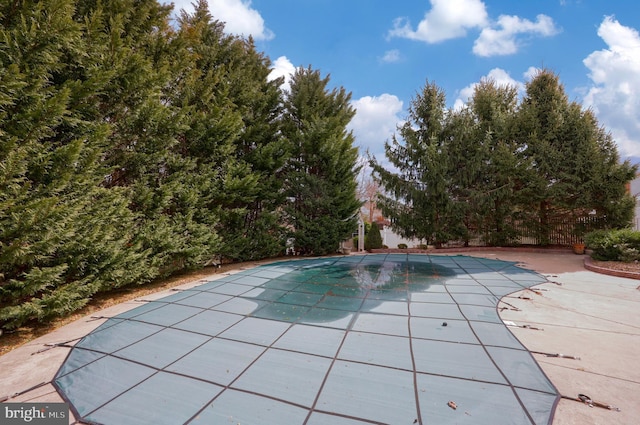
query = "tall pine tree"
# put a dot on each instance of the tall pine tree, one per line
(572, 161)
(498, 156)
(252, 225)
(320, 178)
(419, 195)
(234, 136)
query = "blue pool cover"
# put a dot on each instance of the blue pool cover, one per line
(360, 339)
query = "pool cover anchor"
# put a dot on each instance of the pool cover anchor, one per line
(94, 318)
(19, 393)
(537, 291)
(556, 355)
(49, 346)
(583, 398)
(511, 306)
(515, 325)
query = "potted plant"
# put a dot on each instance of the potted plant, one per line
(579, 230)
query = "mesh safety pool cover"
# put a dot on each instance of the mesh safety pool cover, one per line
(387, 338)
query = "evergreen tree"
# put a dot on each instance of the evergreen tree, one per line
(249, 194)
(497, 155)
(146, 152)
(495, 166)
(572, 160)
(321, 173)
(253, 228)
(373, 238)
(418, 197)
(63, 237)
(464, 161)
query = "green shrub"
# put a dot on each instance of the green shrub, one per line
(614, 245)
(402, 246)
(373, 238)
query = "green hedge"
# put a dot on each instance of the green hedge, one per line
(614, 245)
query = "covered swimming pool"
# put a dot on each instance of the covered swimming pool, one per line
(360, 339)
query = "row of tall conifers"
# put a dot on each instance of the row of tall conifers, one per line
(510, 166)
(135, 144)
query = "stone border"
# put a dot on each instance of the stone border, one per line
(588, 264)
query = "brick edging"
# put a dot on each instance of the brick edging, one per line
(588, 264)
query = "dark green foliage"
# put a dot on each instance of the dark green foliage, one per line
(148, 151)
(132, 148)
(373, 238)
(496, 167)
(492, 163)
(230, 114)
(573, 164)
(614, 245)
(63, 237)
(321, 173)
(418, 197)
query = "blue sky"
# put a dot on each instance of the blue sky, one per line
(383, 52)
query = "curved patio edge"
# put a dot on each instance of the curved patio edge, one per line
(588, 264)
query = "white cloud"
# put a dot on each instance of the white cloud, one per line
(500, 76)
(501, 38)
(375, 121)
(391, 56)
(282, 67)
(447, 19)
(238, 17)
(531, 72)
(615, 95)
